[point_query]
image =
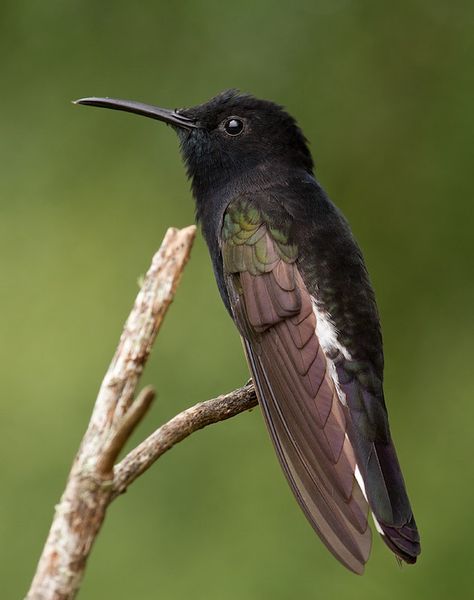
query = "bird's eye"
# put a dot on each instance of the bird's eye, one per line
(233, 126)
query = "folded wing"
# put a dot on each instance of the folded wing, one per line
(302, 410)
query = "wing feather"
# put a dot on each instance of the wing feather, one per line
(302, 410)
(314, 495)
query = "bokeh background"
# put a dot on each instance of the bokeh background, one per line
(384, 91)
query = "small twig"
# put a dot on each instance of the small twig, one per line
(125, 429)
(177, 429)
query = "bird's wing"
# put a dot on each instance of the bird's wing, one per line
(306, 420)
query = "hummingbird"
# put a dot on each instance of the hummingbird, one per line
(294, 281)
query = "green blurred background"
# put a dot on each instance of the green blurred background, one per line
(384, 91)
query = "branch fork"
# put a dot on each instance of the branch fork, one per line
(95, 479)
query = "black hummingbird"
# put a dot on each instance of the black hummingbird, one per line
(294, 281)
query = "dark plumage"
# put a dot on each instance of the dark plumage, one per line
(294, 281)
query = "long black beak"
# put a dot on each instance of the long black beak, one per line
(154, 112)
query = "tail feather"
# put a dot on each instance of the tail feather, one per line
(377, 459)
(403, 541)
(400, 533)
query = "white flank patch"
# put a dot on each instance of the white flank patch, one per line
(327, 336)
(333, 373)
(327, 333)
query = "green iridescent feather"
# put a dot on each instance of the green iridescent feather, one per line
(245, 245)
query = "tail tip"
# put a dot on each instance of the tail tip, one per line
(403, 541)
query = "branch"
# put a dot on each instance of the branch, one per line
(93, 481)
(130, 420)
(177, 429)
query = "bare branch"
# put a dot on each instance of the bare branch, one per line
(177, 429)
(157, 292)
(81, 510)
(94, 481)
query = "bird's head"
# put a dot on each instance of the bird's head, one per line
(231, 136)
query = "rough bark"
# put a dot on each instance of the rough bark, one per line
(94, 482)
(81, 510)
